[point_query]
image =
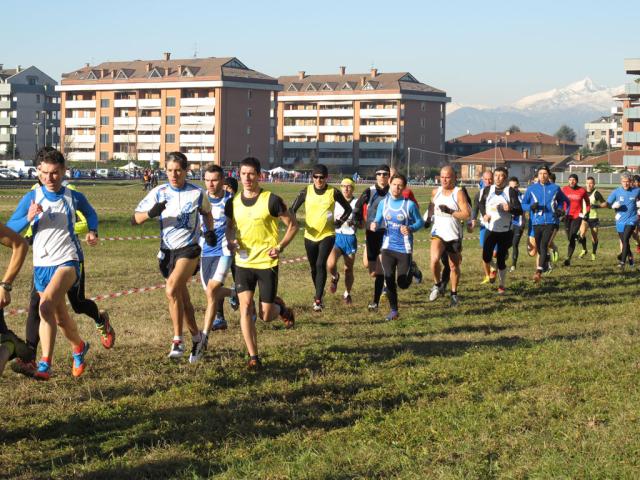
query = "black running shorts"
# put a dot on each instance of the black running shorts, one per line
(374, 244)
(167, 258)
(265, 279)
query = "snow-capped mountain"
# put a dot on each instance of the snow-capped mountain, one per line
(574, 104)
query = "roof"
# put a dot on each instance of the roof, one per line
(359, 82)
(614, 158)
(500, 155)
(187, 69)
(515, 137)
(8, 72)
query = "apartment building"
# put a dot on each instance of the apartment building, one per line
(535, 144)
(354, 122)
(29, 111)
(631, 115)
(607, 128)
(210, 109)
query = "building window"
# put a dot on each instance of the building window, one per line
(421, 139)
(170, 138)
(104, 103)
(249, 130)
(104, 138)
(249, 113)
(249, 94)
(171, 101)
(104, 120)
(423, 106)
(104, 156)
(423, 122)
(31, 80)
(171, 119)
(37, 98)
(248, 149)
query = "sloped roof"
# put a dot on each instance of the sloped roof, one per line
(614, 158)
(212, 68)
(500, 155)
(515, 137)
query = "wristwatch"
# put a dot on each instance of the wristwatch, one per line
(6, 285)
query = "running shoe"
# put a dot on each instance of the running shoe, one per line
(317, 305)
(219, 323)
(26, 368)
(621, 265)
(485, 280)
(434, 294)
(254, 364)
(493, 273)
(512, 269)
(177, 349)
(593, 257)
(333, 286)
(567, 262)
(43, 372)
(348, 300)
(372, 307)
(198, 349)
(106, 331)
(501, 290)
(417, 273)
(454, 301)
(286, 314)
(537, 277)
(582, 254)
(393, 315)
(234, 302)
(79, 364)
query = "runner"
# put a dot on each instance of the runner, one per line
(624, 200)
(636, 234)
(319, 200)
(366, 209)
(252, 232)
(518, 226)
(541, 200)
(448, 207)
(10, 345)
(51, 212)
(553, 255)
(578, 207)
(498, 204)
(486, 181)
(215, 260)
(401, 218)
(346, 244)
(591, 220)
(178, 205)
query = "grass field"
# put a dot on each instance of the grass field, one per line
(541, 383)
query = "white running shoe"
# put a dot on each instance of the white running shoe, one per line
(177, 349)
(197, 352)
(435, 293)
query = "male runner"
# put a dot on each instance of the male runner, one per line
(486, 181)
(591, 221)
(448, 208)
(51, 211)
(498, 204)
(346, 245)
(319, 200)
(518, 226)
(624, 200)
(252, 233)
(579, 205)
(365, 209)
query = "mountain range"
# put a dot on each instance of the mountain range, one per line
(573, 105)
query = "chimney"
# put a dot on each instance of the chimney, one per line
(525, 154)
(180, 67)
(113, 74)
(374, 72)
(301, 75)
(167, 56)
(363, 80)
(86, 65)
(342, 70)
(104, 72)
(167, 71)
(149, 65)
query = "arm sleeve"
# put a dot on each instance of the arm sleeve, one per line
(205, 204)
(563, 199)
(599, 200)
(585, 197)
(481, 203)
(338, 197)
(147, 202)
(515, 207)
(476, 207)
(87, 210)
(527, 200)
(277, 206)
(18, 221)
(612, 198)
(417, 221)
(228, 209)
(466, 194)
(363, 200)
(379, 211)
(299, 200)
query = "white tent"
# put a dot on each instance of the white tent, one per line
(280, 170)
(129, 166)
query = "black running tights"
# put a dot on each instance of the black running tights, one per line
(625, 237)
(396, 263)
(318, 254)
(500, 239)
(543, 234)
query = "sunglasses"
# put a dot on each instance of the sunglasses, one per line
(319, 177)
(384, 174)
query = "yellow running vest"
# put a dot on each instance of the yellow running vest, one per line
(256, 232)
(319, 214)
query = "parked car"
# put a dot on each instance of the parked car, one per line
(8, 173)
(102, 173)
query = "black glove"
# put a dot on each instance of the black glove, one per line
(560, 213)
(535, 207)
(157, 209)
(446, 209)
(338, 223)
(427, 223)
(211, 238)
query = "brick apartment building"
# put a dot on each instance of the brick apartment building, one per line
(631, 116)
(353, 122)
(211, 109)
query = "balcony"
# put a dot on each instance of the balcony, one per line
(300, 113)
(335, 145)
(81, 141)
(125, 103)
(149, 103)
(378, 129)
(126, 138)
(378, 113)
(149, 123)
(80, 156)
(631, 160)
(5, 89)
(632, 66)
(377, 145)
(200, 156)
(149, 156)
(5, 137)
(336, 112)
(336, 161)
(336, 128)
(6, 105)
(202, 120)
(80, 122)
(197, 140)
(124, 155)
(374, 161)
(5, 121)
(632, 88)
(632, 137)
(300, 145)
(301, 130)
(124, 123)
(194, 105)
(80, 104)
(149, 139)
(632, 113)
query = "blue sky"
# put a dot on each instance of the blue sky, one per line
(490, 52)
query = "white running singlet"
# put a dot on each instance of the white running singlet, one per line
(445, 225)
